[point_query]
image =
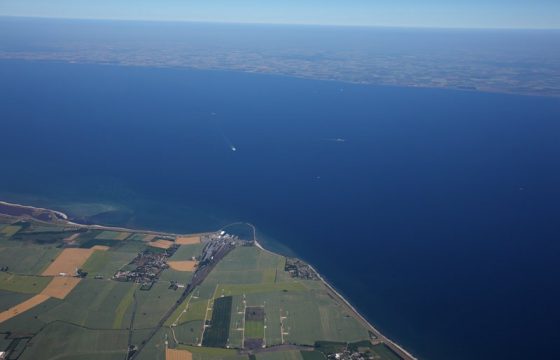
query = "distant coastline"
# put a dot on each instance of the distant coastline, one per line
(319, 54)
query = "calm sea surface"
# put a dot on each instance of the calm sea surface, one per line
(436, 213)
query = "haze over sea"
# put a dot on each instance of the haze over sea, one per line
(435, 213)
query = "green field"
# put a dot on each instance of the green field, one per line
(186, 252)
(312, 355)
(8, 231)
(64, 341)
(310, 314)
(209, 353)
(216, 334)
(93, 242)
(190, 309)
(96, 304)
(314, 316)
(280, 355)
(254, 322)
(139, 237)
(247, 296)
(254, 329)
(189, 333)
(381, 351)
(31, 260)
(112, 235)
(239, 289)
(22, 283)
(248, 258)
(153, 304)
(29, 321)
(131, 248)
(182, 277)
(34, 228)
(124, 307)
(107, 263)
(41, 237)
(9, 299)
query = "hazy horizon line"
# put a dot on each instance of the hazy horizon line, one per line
(366, 26)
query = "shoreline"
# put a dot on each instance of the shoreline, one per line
(392, 344)
(59, 213)
(398, 349)
(65, 220)
(480, 89)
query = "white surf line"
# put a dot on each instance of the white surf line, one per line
(59, 213)
(94, 227)
(99, 227)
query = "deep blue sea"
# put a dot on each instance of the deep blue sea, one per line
(437, 216)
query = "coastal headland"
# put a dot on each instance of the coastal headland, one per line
(156, 295)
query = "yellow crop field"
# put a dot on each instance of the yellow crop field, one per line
(60, 287)
(68, 261)
(186, 265)
(187, 240)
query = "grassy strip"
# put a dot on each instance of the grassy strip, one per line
(254, 329)
(122, 307)
(240, 289)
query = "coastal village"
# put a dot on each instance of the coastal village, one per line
(299, 269)
(148, 265)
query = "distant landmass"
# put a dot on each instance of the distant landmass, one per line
(505, 61)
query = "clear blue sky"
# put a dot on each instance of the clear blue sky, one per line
(424, 13)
